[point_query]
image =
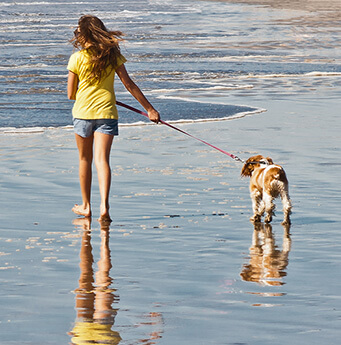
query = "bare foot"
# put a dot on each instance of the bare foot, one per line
(82, 211)
(104, 214)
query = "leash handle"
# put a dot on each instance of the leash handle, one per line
(181, 131)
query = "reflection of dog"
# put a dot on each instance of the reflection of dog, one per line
(267, 263)
(268, 181)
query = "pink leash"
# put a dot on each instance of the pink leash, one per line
(180, 130)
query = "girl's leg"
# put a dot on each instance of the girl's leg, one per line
(103, 144)
(85, 174)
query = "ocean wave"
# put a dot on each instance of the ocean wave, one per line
(211, 88)
(33, 91)
(313, 74)
(31, 130)
(6, 4)
(30, 29)
(42, 129)
(31, 78)
(288, 59)
(220, 77)
(20, 44)
(217, 119)
(24, 66)
(323, 74)
(35, 3)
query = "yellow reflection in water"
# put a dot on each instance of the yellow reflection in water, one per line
(267, 264)
(94, 297)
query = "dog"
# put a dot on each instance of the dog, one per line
(268, 181)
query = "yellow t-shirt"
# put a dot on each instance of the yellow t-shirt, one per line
(93, 101)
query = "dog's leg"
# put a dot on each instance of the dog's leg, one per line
(256, 197)
(286, 239)
(286, 206)
(269, 207)
(269, 241)
(255, 249)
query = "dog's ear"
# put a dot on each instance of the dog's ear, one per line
(269, 160)
(247, 170)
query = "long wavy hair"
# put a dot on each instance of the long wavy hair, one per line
(102, 44)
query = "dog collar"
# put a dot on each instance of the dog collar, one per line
(263, 161)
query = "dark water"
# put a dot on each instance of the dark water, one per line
(196, 52)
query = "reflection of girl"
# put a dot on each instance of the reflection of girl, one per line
(95, 314)
(91, 84)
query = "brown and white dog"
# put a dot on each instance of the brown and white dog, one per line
(268, 181)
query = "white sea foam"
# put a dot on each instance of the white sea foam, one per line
(25, 66)
(33, 28)
(28, 130)
(294, 75)
(37, 130)
(214, 119)
(35, 3)
(31, 130)
(21, 44)
(6, 4)
(243, 57)
(213, 88)
(323, 74)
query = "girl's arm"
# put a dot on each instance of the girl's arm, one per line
(137, 93)
(72, 85)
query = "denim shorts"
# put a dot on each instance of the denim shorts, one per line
(85, 128)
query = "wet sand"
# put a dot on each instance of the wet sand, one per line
(186, 263)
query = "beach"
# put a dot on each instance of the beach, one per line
(180, 235)
(181, 263)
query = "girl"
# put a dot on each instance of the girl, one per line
(91, 85)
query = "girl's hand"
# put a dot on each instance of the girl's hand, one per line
(154, 116)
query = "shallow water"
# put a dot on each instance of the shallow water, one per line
(181, 263)
(194, 51)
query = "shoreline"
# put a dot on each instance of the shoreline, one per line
(34, 130)
(257, 109)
